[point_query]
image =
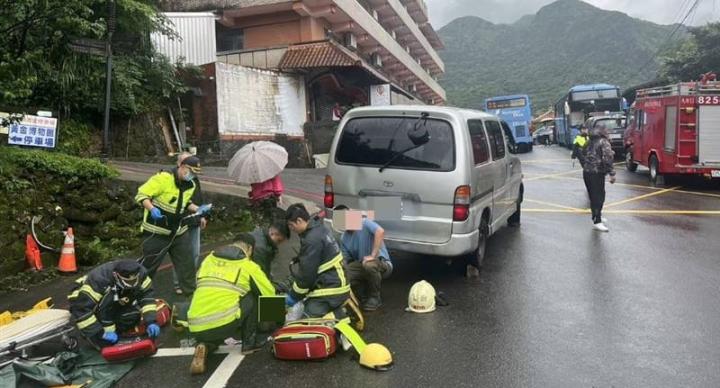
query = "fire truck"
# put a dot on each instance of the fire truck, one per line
(675, 130)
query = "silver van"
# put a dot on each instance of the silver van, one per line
(440, 180)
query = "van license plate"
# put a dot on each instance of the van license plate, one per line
(715, 173)
(615, 136)
(386, 208)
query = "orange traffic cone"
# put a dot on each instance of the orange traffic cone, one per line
(32, 254)
(67, 263)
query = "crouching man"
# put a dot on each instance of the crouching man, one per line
(367, 260)
(224, 305)
(113, 298)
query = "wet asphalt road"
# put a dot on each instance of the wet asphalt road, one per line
(557, 304)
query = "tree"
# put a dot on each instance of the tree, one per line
(38, 68)
(699, 54)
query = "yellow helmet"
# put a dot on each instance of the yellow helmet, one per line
(421, 298)
(376, 357)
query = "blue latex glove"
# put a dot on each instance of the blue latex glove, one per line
(155, 214)
(153, 330)
(204, 209)
(110, 336)
(290, 301)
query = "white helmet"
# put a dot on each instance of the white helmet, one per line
(421, 298)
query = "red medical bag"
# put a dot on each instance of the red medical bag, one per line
(304, 340)
(129, 350)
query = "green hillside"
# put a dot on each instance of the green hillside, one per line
(567, 42)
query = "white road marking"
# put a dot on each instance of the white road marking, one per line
(225, 370)
(179, 352)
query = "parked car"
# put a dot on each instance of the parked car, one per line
(441, 180)
(615, 124)
(544, 135)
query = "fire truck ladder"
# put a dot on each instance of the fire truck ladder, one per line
(681, 89)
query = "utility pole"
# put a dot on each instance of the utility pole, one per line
(108, 78)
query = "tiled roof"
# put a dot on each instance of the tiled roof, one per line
(321, 54)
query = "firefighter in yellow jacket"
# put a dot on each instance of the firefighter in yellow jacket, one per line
(166, 197)
(225, 303)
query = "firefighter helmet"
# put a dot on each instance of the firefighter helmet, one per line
(421, 298)
(376, 357)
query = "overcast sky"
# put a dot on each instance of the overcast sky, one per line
(508, 11)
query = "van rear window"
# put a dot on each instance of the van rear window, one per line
(375, 141)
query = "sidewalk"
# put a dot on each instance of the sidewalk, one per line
(301, 185)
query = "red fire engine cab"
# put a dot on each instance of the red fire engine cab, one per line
(675, 130)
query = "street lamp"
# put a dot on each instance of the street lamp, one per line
(108, 78)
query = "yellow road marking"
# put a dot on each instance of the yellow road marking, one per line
(552, 175)
(534, 178)
(553, 205)
(698, 193)
(639, 197)
(630, 212)
(618, 184)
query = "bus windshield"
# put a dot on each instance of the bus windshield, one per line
(516, 112)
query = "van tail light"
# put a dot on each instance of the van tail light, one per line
(329, 198)
(461, 203)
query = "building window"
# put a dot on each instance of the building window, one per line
(228, 39)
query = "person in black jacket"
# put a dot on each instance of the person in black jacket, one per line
(320, 279)
(266, 244)
(113, 298)
(598, 164)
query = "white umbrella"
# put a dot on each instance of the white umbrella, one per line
(257, 162)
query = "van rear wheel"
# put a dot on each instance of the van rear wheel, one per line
(476, 258)
(514, 219)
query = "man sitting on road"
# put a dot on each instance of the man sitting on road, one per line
(367, 261)
(266, 244)
(113, 298)
(225, 303)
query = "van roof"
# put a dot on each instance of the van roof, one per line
(416, 109)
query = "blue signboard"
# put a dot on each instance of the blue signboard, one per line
(34, 131)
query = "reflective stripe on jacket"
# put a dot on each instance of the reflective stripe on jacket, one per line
(321, 273)
(171, 196)
(94, 294)
(223, 279)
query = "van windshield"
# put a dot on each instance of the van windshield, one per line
(374, 141)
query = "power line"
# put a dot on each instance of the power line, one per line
(672, 33)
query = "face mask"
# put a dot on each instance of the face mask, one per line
(189, 176)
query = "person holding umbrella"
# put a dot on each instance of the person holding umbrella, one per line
(260, 164)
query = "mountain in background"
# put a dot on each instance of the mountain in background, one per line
(566, 43)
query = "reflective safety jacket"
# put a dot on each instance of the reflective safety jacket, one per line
(321, 273)
(579, 146)
(96, 296)
(172, 196)
(223, 279)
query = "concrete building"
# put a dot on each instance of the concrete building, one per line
(285, 68)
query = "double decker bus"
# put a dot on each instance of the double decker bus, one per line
(515, 110)
(580, 103)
